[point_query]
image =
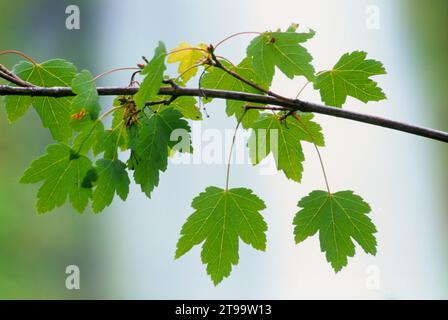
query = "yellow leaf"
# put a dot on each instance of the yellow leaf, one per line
(188, 56)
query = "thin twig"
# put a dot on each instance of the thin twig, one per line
(11, 77)
(289, 104)
(158, 102)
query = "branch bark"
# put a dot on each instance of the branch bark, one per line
(287, 104)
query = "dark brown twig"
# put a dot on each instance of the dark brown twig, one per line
(288, 104)
(11, 77)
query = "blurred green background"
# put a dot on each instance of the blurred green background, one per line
(35, 250)
(428, 26)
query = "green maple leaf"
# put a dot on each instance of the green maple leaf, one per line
(281, 49)
(63, 172)
(221, 218)
(54, 112)
(217, 78)
(86, 97)
(112, 179)
(350, 77)
(153, 72)
(150, 142)
(340, 218)
(269, 134)
(187, 59)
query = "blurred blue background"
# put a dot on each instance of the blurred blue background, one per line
(128, 250)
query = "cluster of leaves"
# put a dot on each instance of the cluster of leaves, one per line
(144, 124)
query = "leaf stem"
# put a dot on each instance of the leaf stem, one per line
(114, 70)
(303, 88)
(232, 145)
(196, 65)
(108, 112)
(235, 35)
(312, 139)
(297, 117)
(186, 49)
(17, 52)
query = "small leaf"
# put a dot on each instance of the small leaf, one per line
(187, 58)
(86, 97)
(216, 78)
(54, 112)
(350, 77)
(112, 179)
(340, 218)
(269, 134)
(149, 144)
(63, 172)
(281, 49)
(221, 219)
(153, 72)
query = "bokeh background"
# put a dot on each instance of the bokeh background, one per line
(127, 251)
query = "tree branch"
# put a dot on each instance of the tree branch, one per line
(11, 77)
(287, 104)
